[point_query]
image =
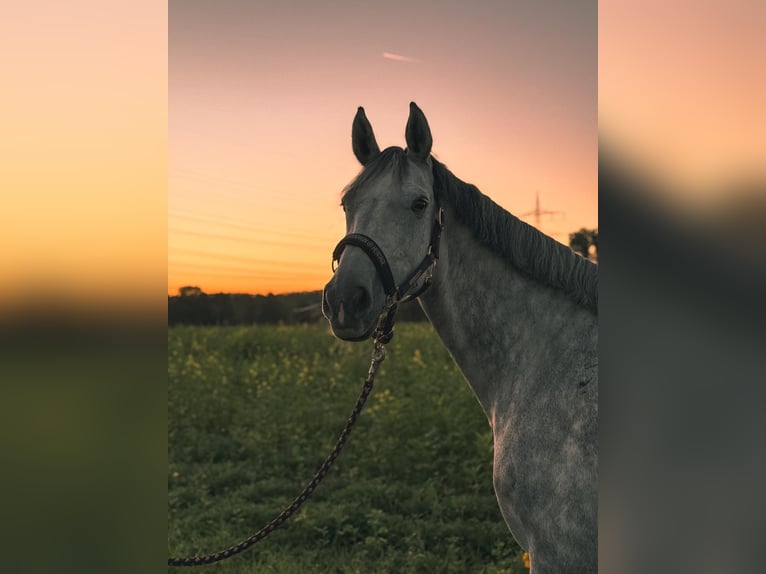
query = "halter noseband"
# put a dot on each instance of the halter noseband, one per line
(401, 293)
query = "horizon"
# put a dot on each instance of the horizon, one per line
(203, 292)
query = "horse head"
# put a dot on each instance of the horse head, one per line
(391, 222)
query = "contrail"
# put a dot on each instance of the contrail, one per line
(398, 57)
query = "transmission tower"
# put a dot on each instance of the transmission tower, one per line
(537, 212)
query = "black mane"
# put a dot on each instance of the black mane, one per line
(526, 248)
(529, 250)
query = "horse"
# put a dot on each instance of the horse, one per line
(517, 311)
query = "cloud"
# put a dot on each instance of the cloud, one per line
(398, 57)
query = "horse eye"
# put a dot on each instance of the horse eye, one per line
(419, 204)
(343, 206)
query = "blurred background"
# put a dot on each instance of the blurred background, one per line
(84, 272)
(682, 204)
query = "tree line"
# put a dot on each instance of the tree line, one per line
(192, 306)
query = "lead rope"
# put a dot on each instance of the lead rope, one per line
(378, 355)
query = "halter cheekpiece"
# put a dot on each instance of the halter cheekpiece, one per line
(403, 292)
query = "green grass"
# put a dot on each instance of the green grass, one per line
(253, 411)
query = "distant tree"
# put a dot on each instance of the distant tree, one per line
(193, 307)
(190, 291)
(581, 242)
(273, 309)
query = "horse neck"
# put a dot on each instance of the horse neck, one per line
(503, 328)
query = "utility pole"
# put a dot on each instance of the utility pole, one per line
(537, 212)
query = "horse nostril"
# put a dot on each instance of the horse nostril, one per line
(362, 299)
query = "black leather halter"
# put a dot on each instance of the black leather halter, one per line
(404, 291)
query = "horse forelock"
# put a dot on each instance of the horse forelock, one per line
(390, 158)
(526, 248)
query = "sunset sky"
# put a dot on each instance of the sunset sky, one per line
(262, 96)
(253, 110)
(682, 87)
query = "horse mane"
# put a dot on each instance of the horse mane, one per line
(526, 248)
(529, 250)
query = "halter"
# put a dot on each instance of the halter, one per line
(401, 293)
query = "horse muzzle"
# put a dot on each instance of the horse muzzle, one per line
(349, 310)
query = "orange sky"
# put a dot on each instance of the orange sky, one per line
(261, 100)
(83, 153)
(682, 87)
(252, 112)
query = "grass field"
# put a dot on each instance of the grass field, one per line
(253, 411)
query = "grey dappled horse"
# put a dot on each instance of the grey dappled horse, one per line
(517, 311)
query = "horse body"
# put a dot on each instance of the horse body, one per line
(529, 355)
(516, 311)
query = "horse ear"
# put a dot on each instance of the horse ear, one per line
(363, 139)
(417, 133)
